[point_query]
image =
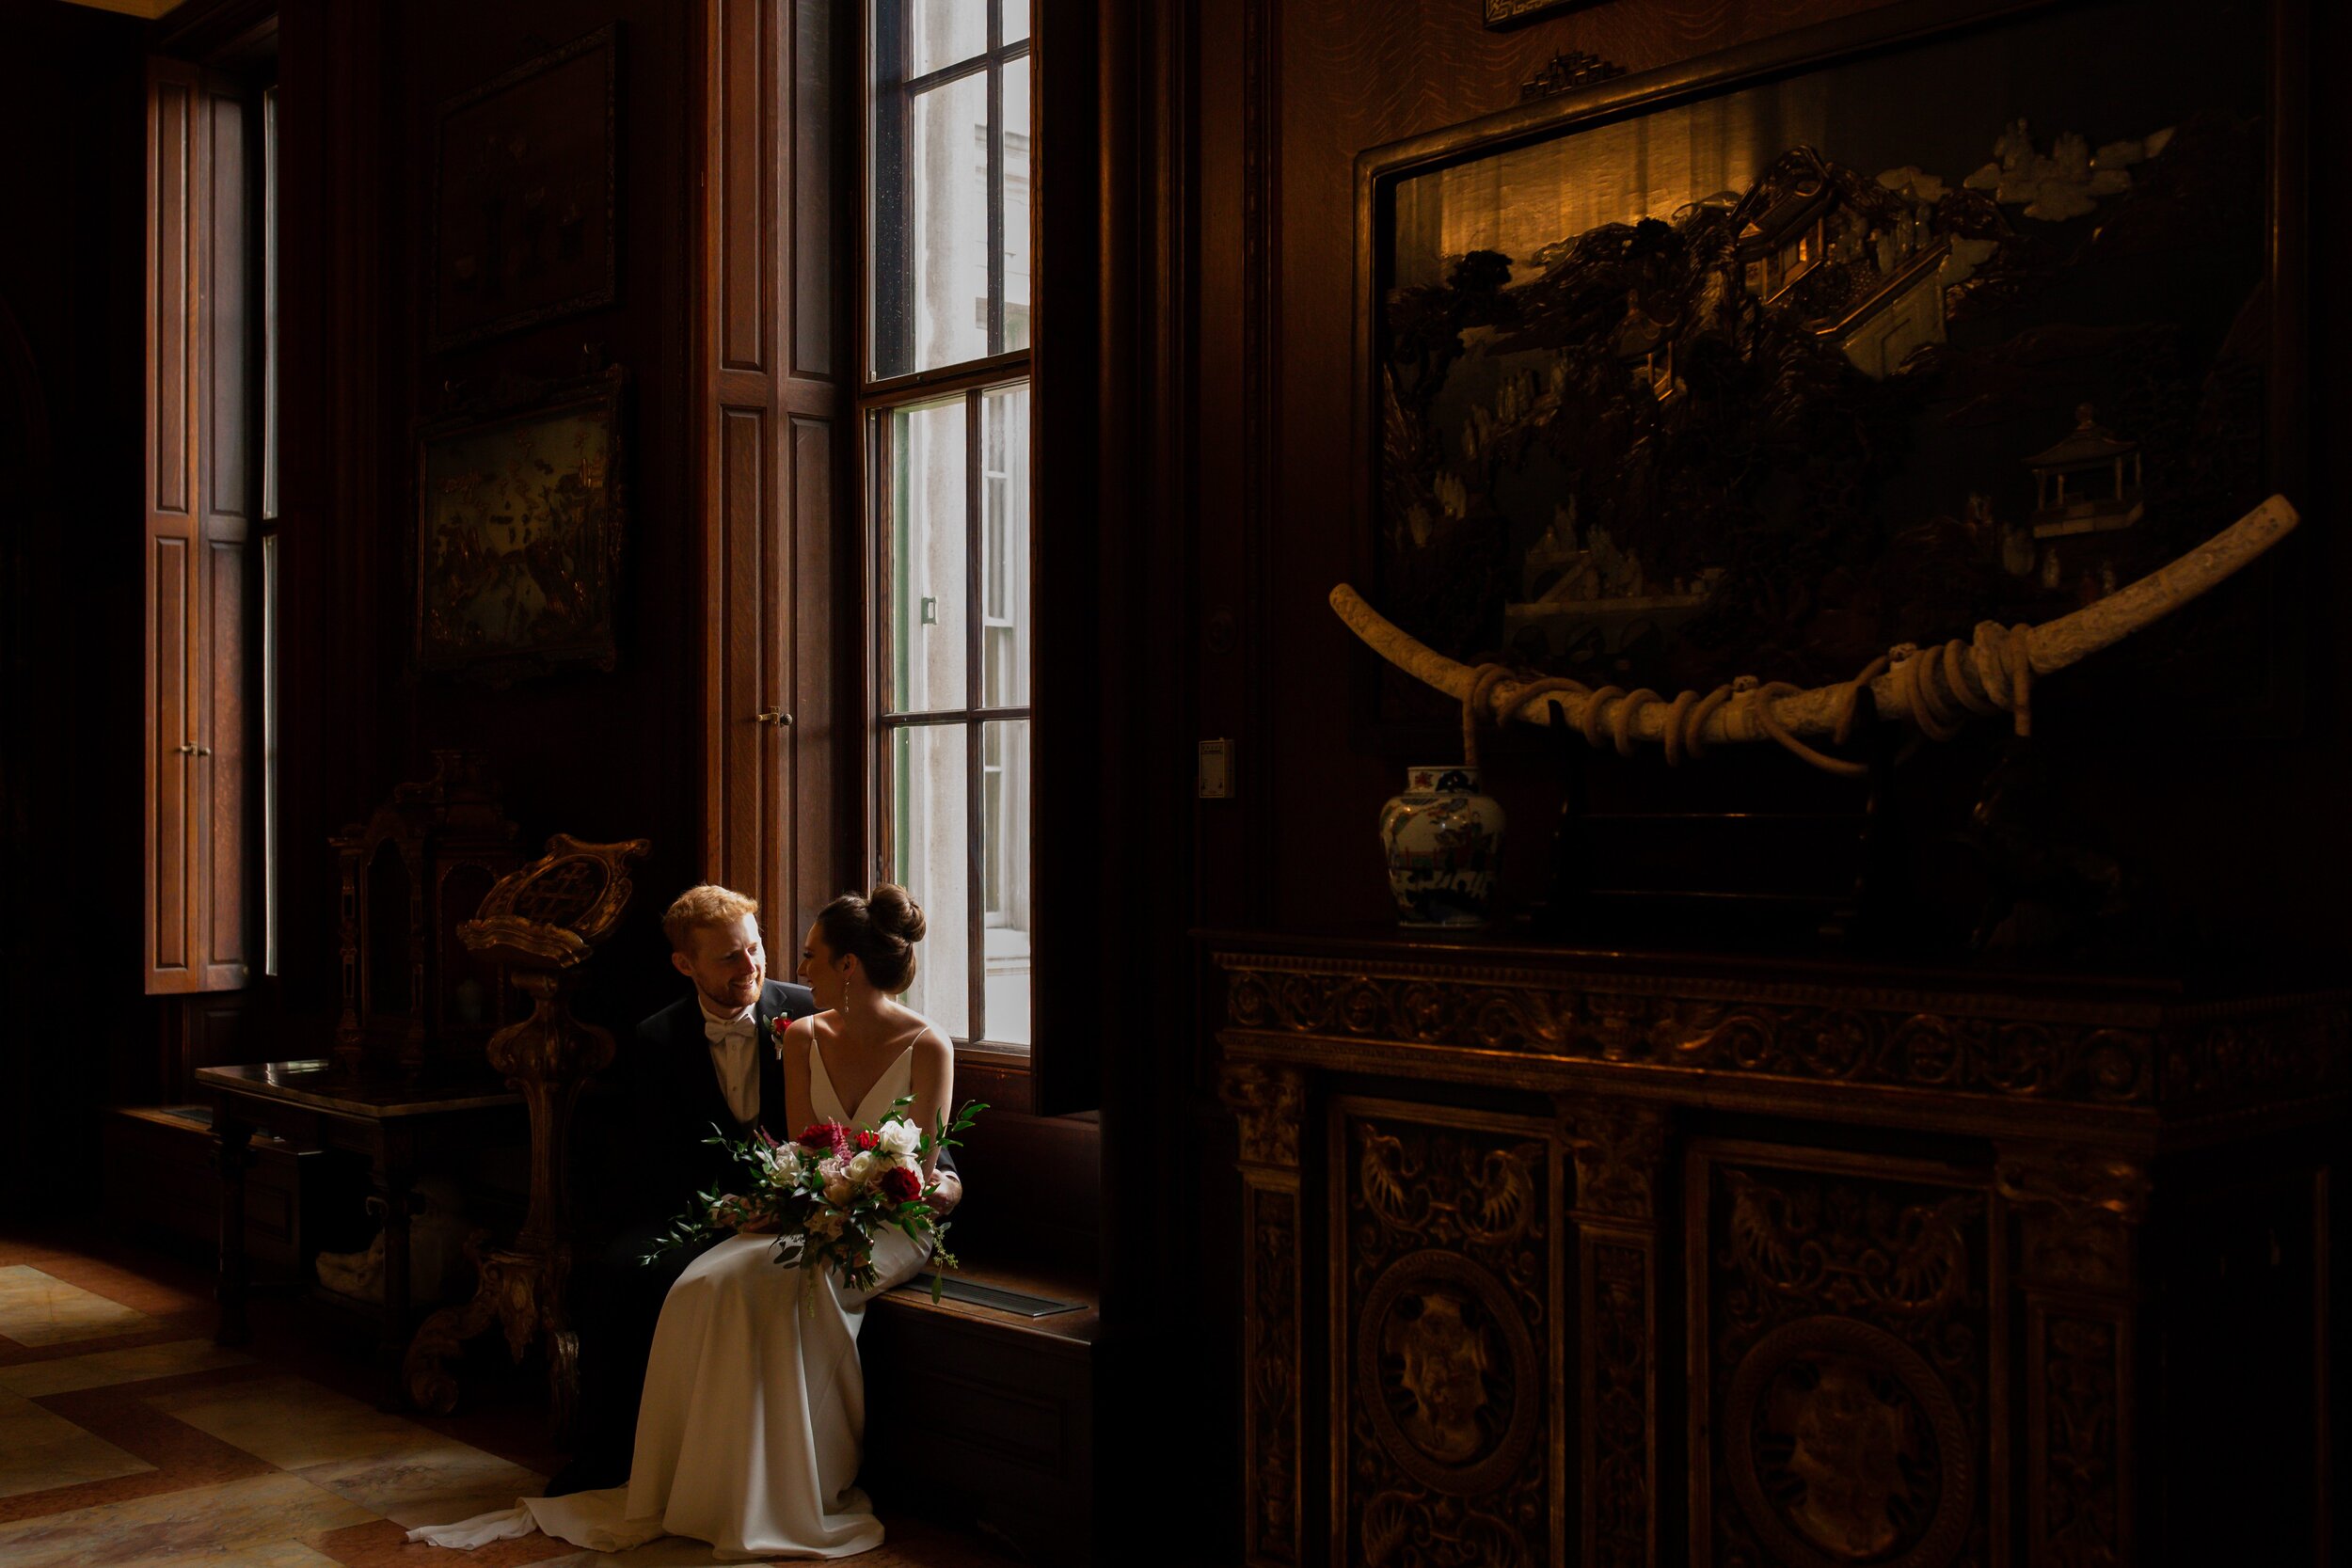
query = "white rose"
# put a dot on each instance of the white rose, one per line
(824, 1225)
(861, 1169)
(837, 1191)
(899, 1139)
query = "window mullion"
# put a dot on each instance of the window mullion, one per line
(974, 505)
(995, 190)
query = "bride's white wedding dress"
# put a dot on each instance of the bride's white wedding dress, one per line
(754, 1409)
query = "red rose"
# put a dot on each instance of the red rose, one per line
(901, 1185)
(820, 1135)
(869, 1140)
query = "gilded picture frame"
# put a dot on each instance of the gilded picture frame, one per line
(2062, 236)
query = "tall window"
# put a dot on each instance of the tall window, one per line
(945, 396)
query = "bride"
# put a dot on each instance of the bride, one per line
(754, 1407)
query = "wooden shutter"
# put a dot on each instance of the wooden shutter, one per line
(198, 501)
(783, 817)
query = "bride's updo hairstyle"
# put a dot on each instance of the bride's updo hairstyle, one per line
(880, 930)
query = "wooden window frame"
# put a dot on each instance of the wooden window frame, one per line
(1001, 1072)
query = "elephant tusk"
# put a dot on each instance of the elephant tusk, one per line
(1931, 688)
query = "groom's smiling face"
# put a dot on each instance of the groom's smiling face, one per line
(727, 963)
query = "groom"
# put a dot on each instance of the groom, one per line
(705, 1061)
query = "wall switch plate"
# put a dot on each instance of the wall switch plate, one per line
(1217, 769)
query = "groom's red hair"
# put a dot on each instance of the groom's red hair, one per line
(699, 906)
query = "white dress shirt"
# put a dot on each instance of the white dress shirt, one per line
(735, 1057)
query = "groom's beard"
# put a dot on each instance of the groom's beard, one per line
(727, 1005)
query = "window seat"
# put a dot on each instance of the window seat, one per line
(981, 1416)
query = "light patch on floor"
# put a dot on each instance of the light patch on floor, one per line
(437, 1485)
(105, 1368)
(40, 1453)
(272, 1554)
(293, 1423)
(36, 1308)
(234, 1519)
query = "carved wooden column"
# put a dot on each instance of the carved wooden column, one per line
(2079, 1211)
(541, 924)
(1269, 1102)
(1618, 1147)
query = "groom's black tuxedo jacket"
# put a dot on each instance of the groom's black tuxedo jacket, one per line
(675, 1101)
(678, 1102)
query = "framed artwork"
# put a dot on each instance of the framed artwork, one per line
(520, 510)
(524, 220)
(1764, 364)
(1510, 13)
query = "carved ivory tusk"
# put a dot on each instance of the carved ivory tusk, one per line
(2048, 647)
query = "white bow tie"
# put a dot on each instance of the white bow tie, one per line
(745, 1029)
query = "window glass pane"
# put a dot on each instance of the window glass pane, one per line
(929, 831)
(927, 629)
(1016, 230)
(930, 228)
(1005, 546)
(1005, 877)
(1016, 20)
(943, 32)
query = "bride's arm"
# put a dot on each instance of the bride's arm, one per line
(792, 1049)
(934, 1092)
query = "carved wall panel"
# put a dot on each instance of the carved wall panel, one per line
(1447, 1348)
(1873, 1038)
(1846, 1361)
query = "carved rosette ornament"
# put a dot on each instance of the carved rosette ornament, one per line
(1443, 1327)
(1849, 1363)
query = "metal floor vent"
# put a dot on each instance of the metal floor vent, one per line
(991, 1296)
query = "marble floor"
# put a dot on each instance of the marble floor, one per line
(128, 1438)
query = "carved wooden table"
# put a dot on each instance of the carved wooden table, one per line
(394, 1123)
(1896, 1266)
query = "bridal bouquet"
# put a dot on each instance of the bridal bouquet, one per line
(827, 1194)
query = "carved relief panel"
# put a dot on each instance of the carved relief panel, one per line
(1847, 1368)
(1447, 1350)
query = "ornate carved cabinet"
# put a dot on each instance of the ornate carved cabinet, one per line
(1559, 1257)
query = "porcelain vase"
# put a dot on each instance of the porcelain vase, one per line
(1445, 840)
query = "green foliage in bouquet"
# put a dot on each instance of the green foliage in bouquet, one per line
(827, 1194)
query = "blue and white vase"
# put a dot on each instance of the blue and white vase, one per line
(1445, 840)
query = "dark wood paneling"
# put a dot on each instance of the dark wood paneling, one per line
(200, 432)
(810, 197)
(745, 111)
(779, 634)
(171, 266)
(812, 528)
(229, 316)
(172, 829)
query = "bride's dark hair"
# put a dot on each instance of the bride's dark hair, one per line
(880, 929)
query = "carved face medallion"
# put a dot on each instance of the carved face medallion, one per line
(1442, 1347)
(1846, 1447)
(1446, 1372)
